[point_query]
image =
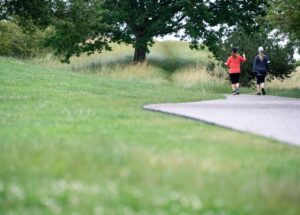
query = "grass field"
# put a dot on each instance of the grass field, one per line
(75, 140)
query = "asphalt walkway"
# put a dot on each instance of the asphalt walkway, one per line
(270, 116)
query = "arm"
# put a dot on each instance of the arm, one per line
(243, 59)
(228, 62)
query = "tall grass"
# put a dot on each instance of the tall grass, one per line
(288, 87)
(289, 83)
(169, 62)
(195, 75)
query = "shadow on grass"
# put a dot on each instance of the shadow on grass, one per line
(169, 65)
(98, 65)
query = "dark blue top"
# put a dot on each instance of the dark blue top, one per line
(261, 66)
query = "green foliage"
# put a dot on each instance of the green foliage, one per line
(36, 11)
(211, 66)
(17, 43)
(79, 29)
(281, 56)
(90, 25)
(286, 16)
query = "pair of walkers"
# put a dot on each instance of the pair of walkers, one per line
(260, 68)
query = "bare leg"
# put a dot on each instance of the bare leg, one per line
(237, 88)
(258, 88)
(233, 87)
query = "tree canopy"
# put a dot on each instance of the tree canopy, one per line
(90, 25)
(138, 22)
(36, 11)
(286, 16)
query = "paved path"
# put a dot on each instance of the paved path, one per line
(269, 116)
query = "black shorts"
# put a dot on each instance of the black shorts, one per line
(260, 79)
(234, 78)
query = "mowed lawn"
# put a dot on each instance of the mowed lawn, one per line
(75, 143)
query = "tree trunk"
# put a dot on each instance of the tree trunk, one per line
(140, 46)
(139, 54)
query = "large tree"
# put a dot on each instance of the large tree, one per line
(90, 25)
(139, 21)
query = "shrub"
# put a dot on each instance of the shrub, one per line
(17, 43)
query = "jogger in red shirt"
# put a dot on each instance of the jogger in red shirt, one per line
(234, 65)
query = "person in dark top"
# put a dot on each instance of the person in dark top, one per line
(260, 68)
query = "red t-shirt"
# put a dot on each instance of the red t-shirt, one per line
(234, 63)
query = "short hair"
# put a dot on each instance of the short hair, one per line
(234, 50)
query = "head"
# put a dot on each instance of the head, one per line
(234, 52)
(261, 52)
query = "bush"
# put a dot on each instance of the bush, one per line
(215, 69)
(210, 66)
(17, 43)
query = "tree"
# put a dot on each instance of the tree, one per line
(286, 16)
(281, 56)
(36, 11)
(16, 43)
(90, 25)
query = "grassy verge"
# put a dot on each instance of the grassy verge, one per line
(289, 87)
(76, 143)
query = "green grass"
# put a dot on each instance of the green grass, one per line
(293, 92)
(288, 87)
(77, 143)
